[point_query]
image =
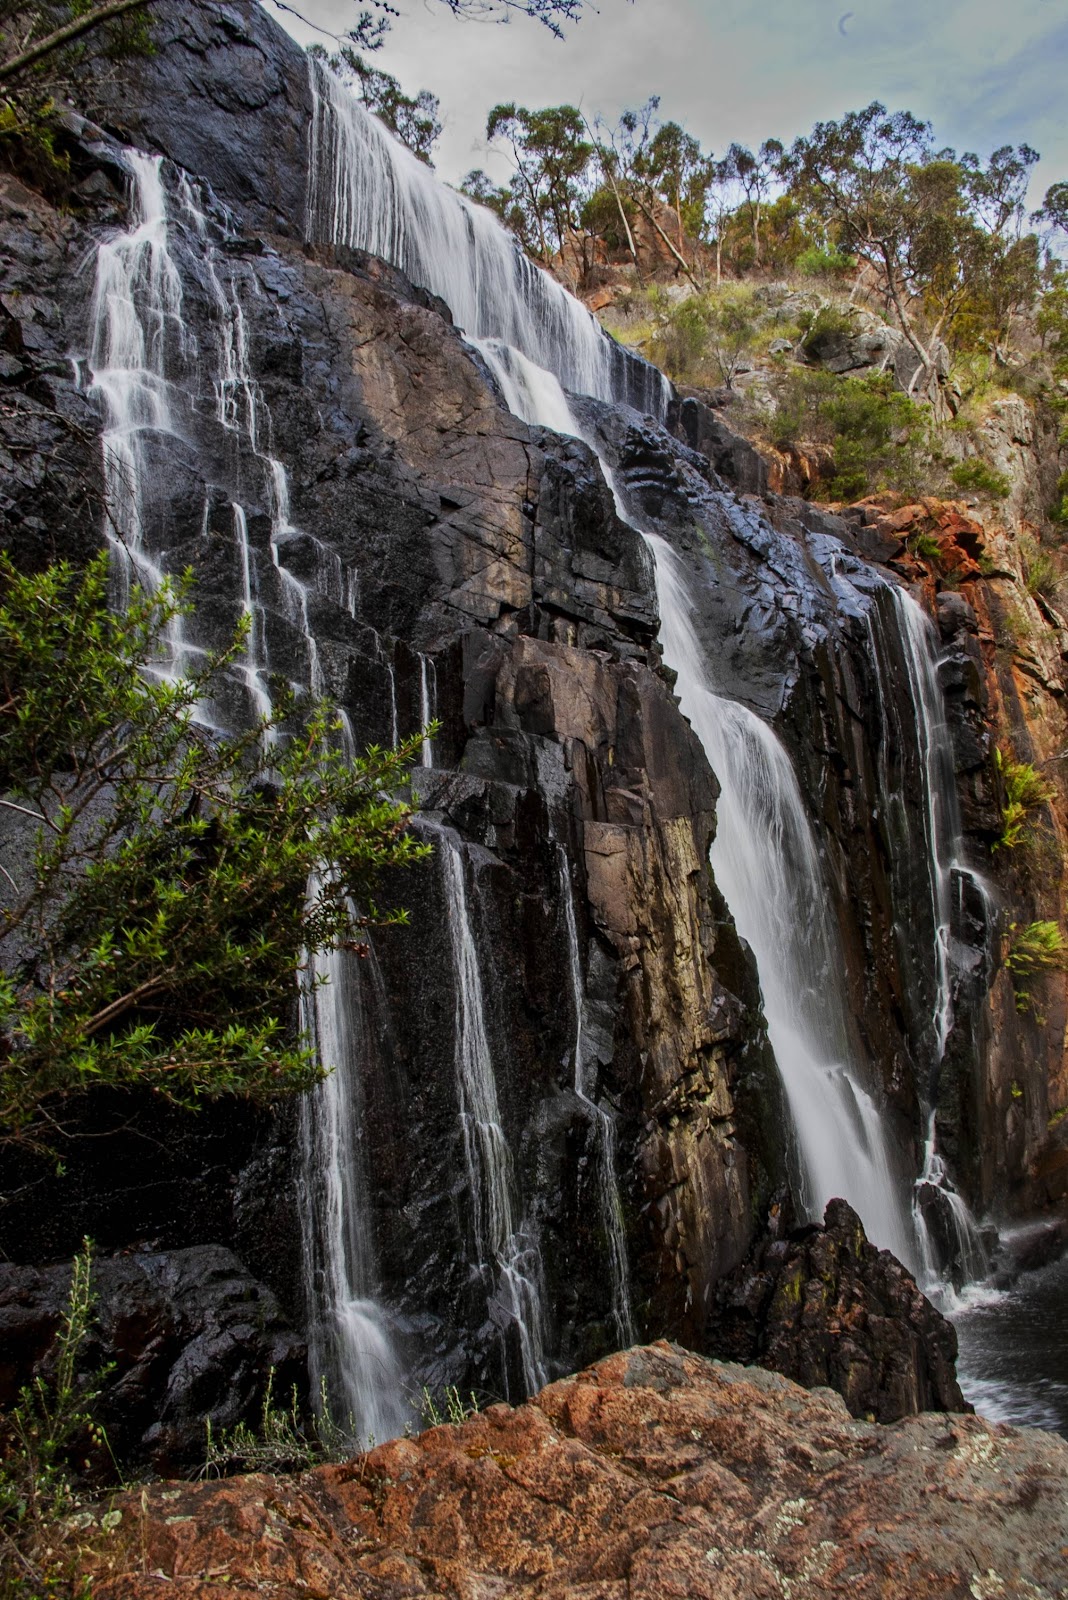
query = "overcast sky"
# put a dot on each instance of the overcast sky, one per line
(985, 72)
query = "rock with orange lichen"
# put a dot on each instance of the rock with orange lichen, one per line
(655, 1473)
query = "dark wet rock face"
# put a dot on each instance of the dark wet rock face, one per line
(182, 1338)
(829, 1310)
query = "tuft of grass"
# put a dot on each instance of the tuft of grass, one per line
(1026, 792)
(447, 1407)
(1042, 573)
(1034, 949)
(925, 545)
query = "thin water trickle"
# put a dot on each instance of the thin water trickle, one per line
(351, 1347)
(601, 1125)
(428, 694)
(254, 665)
(507, 1255)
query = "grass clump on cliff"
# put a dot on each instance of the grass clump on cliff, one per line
(1034, 949)
(1026, 792)
(155, 914)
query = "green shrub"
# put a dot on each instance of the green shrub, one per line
(816, 262)
(877, 433)
(161, 906)
(1037, 948)
(1026, 792)
(976, 476)
(925, 545)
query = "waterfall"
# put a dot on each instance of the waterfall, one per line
(136, 332)
(428, 696)
(506, 1256)
(766, 864)
(350, 1346)
(136, 313)
(367, 192)
(767, 867)
(601, 1124)
(950, 1245)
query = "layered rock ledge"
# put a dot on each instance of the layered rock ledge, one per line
(655, 1473)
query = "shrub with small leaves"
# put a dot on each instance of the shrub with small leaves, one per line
(155, 915)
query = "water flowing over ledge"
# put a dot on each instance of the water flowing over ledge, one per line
(368, 192)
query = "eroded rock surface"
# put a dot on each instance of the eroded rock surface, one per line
(655, 1473)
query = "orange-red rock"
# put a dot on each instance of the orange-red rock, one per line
(654, 1474)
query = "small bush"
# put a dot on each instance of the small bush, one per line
(1034, 949)
(925, 545)
(1026, 791)
(1042, 573)
(976, 476)
(816, 262)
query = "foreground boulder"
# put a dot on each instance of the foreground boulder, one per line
(825, 1307)
(655, 1473)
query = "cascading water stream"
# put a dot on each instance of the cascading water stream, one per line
(767, 867)
(368, 192)
(506, 1256)
(136, 326)
(951, 1249)
(136, 312)
(351, 1349)
(602, 1126)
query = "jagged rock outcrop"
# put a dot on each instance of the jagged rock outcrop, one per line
(825, 1308)
(653, 1473)
(181, 1339)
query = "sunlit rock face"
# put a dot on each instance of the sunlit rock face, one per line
(653, 1472)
